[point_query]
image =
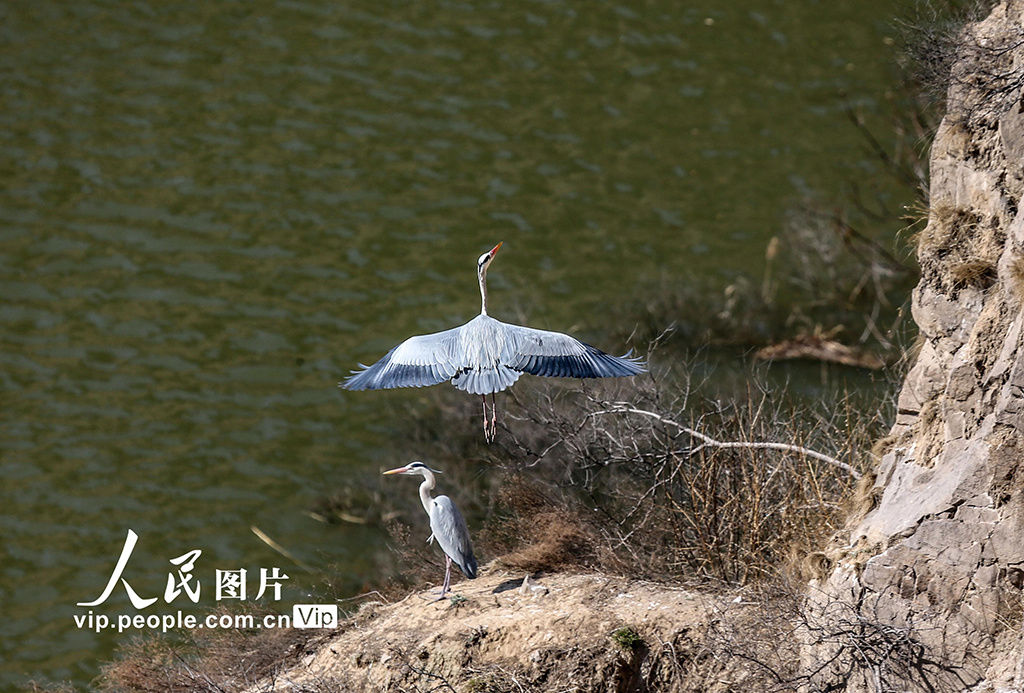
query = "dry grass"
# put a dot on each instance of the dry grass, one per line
(35, 687)
(949, 229)
(1017, 277)
(205, 661)
(959, 249)
(864, 499)
(977, 273)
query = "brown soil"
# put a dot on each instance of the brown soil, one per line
(565, 632)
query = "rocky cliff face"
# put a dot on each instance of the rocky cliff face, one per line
(939, 558)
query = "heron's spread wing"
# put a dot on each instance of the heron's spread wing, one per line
(426, 359)
(452, 534)
(485, 356)
(540, 352)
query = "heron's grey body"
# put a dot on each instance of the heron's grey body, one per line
(447, 525)
(449, 529)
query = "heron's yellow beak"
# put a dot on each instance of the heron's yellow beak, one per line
(396, 471)
(495, 249)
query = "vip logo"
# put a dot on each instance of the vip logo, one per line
(315, 616)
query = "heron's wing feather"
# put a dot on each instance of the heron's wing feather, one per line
(540, 352)
(452, 534)
(419, 361)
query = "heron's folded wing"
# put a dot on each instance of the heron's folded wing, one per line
(419, 361)
(452, 534)
(540, 352)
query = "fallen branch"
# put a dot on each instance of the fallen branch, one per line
(627, 408)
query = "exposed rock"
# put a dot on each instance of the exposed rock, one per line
(941, 553)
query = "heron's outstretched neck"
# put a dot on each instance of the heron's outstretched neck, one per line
(482, 276)
(425, 488)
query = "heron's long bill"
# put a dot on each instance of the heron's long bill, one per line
(397, 471)
(495, 249)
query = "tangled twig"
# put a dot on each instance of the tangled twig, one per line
(627, 408)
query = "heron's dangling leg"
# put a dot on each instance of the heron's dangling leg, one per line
(494, 415)
(487, 436)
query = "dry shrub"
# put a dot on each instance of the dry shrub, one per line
(972, 75)
(668, 504)
(986, 78)
(573, 481)
(207, 660)
(931, 37)
(561, 541)
(532, 531)
(789, 639)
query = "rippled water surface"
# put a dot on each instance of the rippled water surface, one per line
(209, 212)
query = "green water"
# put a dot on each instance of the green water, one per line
(210, 212)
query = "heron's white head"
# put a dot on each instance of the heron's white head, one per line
(413, 469)
(485, 259)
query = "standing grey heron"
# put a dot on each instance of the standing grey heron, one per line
(446, 525)
(485, 356)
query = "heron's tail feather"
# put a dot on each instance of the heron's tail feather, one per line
(485, 381)
(468, 566)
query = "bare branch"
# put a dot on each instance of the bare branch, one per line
(627, 408)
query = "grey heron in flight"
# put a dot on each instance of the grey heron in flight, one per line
(446, 525)
(485, 356)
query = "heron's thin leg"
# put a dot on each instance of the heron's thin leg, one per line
(447, 580)
(483, 399)
(447, 575)
(494, 415)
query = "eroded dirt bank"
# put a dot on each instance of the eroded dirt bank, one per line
(566, 632)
